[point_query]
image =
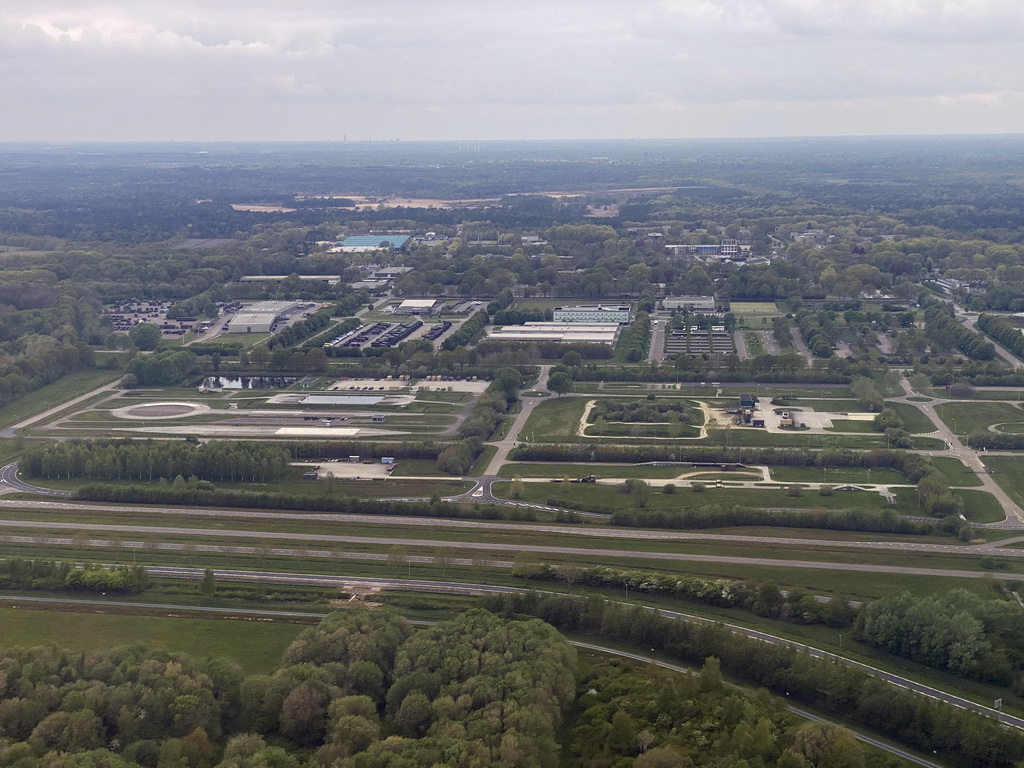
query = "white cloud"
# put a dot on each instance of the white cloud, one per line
(437, 68)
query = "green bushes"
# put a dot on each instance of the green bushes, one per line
(725, 516)
(52, 575)
(185, 495)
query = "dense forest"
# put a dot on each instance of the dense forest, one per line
(364, 690)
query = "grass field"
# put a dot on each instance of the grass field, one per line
(754, 308)
(72, 385)
(256, 646)
(955, 472)
(1005, 470)
(555, 420)
(981, 506)
(602, 496)
(914, 421)
(837, 475)
(971, 418)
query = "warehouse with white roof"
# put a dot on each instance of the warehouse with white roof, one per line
(580, 333)
(261, 316)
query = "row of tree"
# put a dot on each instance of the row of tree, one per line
(17, 573)
(191, 493)
(999, 329)
(941, 325)
(226, 460)
(961, 736)
(715, 516)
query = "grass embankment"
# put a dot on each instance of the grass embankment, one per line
(955, 472)
(71, 386)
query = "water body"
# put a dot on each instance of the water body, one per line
(248, 382)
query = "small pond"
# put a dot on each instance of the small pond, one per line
(248, 382)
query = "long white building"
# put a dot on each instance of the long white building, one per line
(581, 333)
(598, 314)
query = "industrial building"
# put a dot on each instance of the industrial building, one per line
(690, 303)
(260, 317)
(580, 333)
(598, 314)
(365, 243)
(329, 279)
(417, 307)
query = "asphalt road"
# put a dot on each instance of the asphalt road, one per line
(9, 479)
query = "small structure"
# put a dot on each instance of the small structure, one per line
(387, 459)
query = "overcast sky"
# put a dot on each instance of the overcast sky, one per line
(492, 69)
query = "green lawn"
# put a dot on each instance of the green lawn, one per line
(71, 386)
(606, 496)
(955, 472)
(1006, 471)
(981, 506)
(837, 475)
(971, 418)
(754, 308)
(914, 421)
(554, 420)
(852, 425)
(255, 645)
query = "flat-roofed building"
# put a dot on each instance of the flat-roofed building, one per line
(580, 333)
(690, 303)
(417, 307)
(366, 243)
(592, 314)
(260, 317)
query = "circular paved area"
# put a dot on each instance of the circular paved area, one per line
(160, 410)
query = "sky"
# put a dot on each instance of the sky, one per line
(222, 70)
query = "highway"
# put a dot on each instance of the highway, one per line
(390, 541)
(581, 531)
